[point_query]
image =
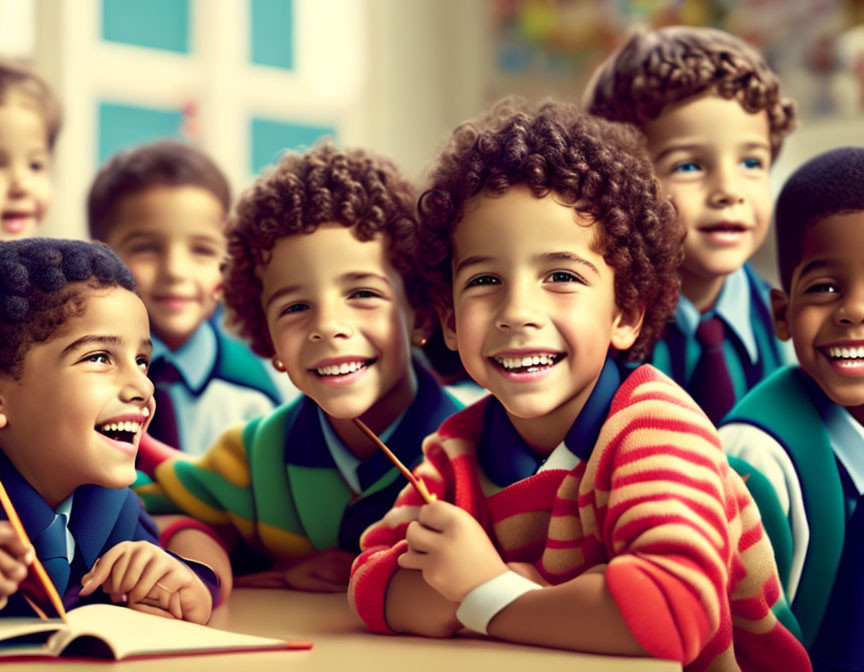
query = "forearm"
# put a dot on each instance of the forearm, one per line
(413, 607)
(578, 615)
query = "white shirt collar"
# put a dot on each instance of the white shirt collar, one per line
(847, 440)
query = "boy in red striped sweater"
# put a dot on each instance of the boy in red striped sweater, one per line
(582, 505)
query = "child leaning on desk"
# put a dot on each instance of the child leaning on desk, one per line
(74, 402)
(580, 506)
(321, 278)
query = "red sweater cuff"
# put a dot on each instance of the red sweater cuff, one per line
(372, 575)
(152, 453)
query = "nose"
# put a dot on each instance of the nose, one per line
(726, 187)
(519, 310)
(174, 261)
(329, 323)
(137, 387)
(850, 311)
(19, 179)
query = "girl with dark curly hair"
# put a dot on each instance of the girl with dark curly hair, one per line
(580, 496)
(714, 119)
(74, 403)
(320, 278)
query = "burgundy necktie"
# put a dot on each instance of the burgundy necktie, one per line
(164, 423)
(711, 385)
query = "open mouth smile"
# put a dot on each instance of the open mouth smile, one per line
(122, 432)
(344, 371)
(529, 363)
(849, 358)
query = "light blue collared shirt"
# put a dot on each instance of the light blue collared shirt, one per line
(847, 440)
(205, 406)
(346, 462)
(733, 305)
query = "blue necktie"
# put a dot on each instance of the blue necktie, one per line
(51, 550)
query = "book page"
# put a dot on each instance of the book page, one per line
(26, 636)
(128, 633)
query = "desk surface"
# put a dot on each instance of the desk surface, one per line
(342, 643)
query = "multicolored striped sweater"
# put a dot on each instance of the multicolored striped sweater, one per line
(688, 563)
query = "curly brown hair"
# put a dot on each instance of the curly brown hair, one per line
(326, 184)
(599, 167)
(655, 68)
(16, 80)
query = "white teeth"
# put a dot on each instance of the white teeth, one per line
(340, 369)
(129, 426)
(541, 359)
(846, 353)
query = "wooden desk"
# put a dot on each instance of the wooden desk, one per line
(341, 643)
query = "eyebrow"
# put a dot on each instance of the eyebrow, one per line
(817, 264)
(549, 256)
(696, 146)
(353, 276)
(106, 341)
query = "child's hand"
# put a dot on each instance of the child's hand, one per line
(452, 550)
(326, 571)
(14, 559)
(146, 578)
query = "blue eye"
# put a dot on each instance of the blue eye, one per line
(752, 163)
(294, 308)
(686, 167)
(483, 280)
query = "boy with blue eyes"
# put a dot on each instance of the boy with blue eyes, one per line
(714, 120)
(802, 428)
(321, 278)
(162, 208)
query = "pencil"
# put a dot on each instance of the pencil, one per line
(41, 574)
(419, 485)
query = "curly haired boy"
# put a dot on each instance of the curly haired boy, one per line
(714, 120)
(320, 278)
(578, 506)
(74, 403)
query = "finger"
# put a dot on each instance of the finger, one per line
(437, 515)
(175, 606)
(118, 571)
(150, 609)
(136, 565)
(12, 567)
(8, 586)
(421, 539)
(11, 543)
(148, 579)
(412, 560)
(102, 568)
(3, 601)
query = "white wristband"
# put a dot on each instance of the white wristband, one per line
(482, 604)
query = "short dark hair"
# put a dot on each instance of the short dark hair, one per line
(829, 184)
(655, 68)
(18, 80)
(598, 167)
(326, 184)
(42, 283)
(166, 163)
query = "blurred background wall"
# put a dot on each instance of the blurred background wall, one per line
(245, 79)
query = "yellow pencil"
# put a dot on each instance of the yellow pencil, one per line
(419, 485)
(41, 574)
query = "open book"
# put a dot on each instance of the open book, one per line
(107, 631)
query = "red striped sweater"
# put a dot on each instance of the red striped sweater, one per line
(689, 565)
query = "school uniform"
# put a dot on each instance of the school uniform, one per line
(69, 541)
(591, 503)
(285, 482)
(751, 350)
(812, 452)
(212, 382)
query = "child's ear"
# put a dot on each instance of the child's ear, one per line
(448, 326)
(3, 419)
(218, 292)
(626, 328)
(780, 313)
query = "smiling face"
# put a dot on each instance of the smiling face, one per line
(823, 313)
(712, 158)
(173, 241)
(25, 159)
(534, 311)
(77, 413)
(339, 321)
